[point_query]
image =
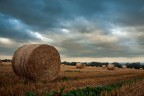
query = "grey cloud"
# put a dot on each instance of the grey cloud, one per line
(40, 14)
(72, 48)
(86, 8)
(79, 17)
(131, 12)
(14, 29)
(7, 51)
(47, 13)
(84, 47)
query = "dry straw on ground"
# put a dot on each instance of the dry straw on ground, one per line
(110, 66)
(0, 61)
(36, 62)
(80, 65)
(103, 66)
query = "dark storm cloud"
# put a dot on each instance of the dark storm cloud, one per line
(14, 29)
(132, 12)
(38, 13)
(47, 13)
(84, 7)
(81, 28)
(7, 50)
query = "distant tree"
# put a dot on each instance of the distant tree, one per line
(64, 62)
(135, 65)
(6, 60)
(117, 64)
(98, 64)
(69, 63)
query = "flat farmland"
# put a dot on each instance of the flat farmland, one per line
(69, 78)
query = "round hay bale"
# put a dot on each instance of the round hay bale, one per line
(124, 67)
(36, 62)
(103, 66)
(85, 65)
(110, 66)
(80, 65)
(141, 69)
(62, 64)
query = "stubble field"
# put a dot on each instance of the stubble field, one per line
(69, 79)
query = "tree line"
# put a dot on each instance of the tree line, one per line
(135, 65)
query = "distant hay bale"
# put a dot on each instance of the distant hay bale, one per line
(36, 61)
(62, 64)
(141, 69)
(80, 65)
(110, 66)
(124, 67)
(85, 65)
(103, 66)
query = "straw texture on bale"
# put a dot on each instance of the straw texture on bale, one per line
(103, 66)
(110, 66)
(80, 65)
(36, 61)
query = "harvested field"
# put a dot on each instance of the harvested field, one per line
(135, 89)
(69, 78)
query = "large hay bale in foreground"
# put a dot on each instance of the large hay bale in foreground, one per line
(111, 67)
(36, 62)
(80, 65)
(103, 66)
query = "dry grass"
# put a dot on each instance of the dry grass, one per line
(130, 89)
(136, 89)
(69, 78)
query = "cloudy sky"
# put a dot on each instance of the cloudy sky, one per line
(81, 30)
